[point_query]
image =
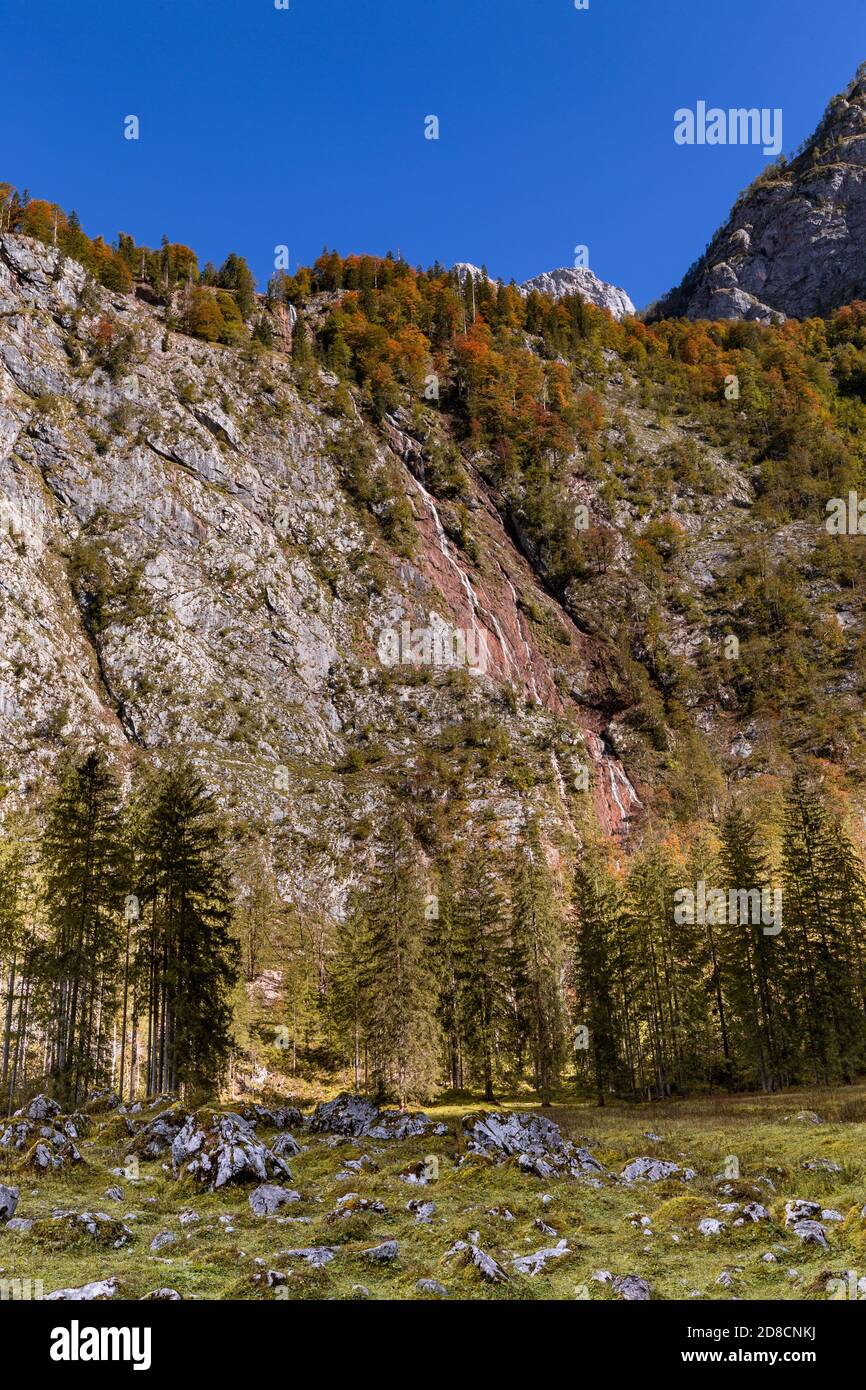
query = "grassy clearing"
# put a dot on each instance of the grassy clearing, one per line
(229, 1259)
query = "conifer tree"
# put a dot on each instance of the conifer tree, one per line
(84, 869)
(536, 960)
(445, 953)
(592, 971)
(399, 984)
(483, 963)
(750, 959)
(187, 957)
(348, 985)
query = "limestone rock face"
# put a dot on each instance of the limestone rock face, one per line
(183, 565)
(566, 280)
(581, 280)
(793, 245)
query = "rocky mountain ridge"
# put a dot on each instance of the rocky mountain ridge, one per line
(565, 281)
(793, 244)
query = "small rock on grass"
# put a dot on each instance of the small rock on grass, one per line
(99, 1289)
(432, 1288)
(535, 1263)
(269, 1197)
(8, 1202)
(381, 1254)
(631, 1288)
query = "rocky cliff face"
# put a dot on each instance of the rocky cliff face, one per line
(582, 281)
(793, 245)
(181, 565)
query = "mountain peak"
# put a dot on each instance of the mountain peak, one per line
(559, 283)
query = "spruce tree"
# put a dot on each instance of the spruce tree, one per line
(592, 966)
(399, 983)
(536, 960)
(84, 860)
(483, 963)
(187, 956)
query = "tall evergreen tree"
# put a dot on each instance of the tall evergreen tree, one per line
(483, 963)
(399, 984)
(536, 929)
(84, 868)
(593, 965)
(187, 957)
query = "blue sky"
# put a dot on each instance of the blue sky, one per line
(305, 126)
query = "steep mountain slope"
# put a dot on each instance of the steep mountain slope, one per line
(217, 547)
(181, 564)
(793, 244)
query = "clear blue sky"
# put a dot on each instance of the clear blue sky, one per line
(262, 126)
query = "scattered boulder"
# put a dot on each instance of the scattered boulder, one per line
(52, 1151)
(284, 1146)
(346, 1114)
(811, 1233)
(533, 1264)
(100, 1102)
(381, 1254)
(631, 1288)
(18, 1135)
(42, 1108)
(432, 1288)
(94, 1226)
(283, 1117)
(228, 1152)
(8, 1202)
(655, 1170)
(162, 1240)
(821, 1165)
(160, 1133)
(424, 1211)
(710, 1226)
(352, 1202)
(798, 1210)
(161, 1295)
(267, 1199)
(18, 1223)
(396, 1124)
(487, 1267)
(534, 1140)
(88, 1293)
(314, 1255)
(755, 1212)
